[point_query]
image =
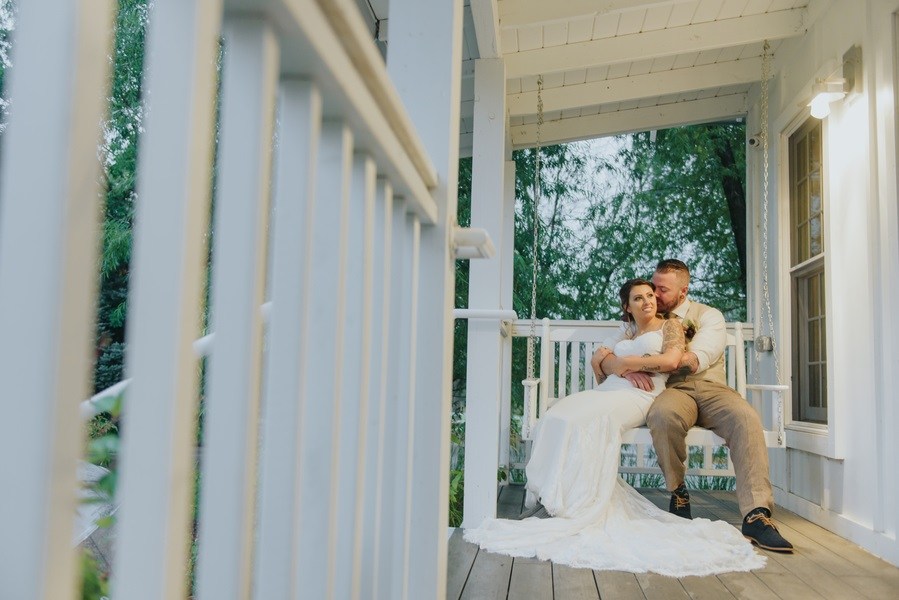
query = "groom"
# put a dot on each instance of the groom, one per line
(697, 394)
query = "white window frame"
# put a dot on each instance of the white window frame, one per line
(800, 273)
(815, 438)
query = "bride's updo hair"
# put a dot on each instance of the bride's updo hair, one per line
(625, 295)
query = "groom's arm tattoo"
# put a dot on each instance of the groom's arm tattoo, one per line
(673, 336)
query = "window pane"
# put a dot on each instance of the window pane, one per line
(802, 243)
(814, 343)
(801, 201)
(814, 194)
(802, 159)
(813, 296)
(814, 149)
(815, 237)
(814, 387)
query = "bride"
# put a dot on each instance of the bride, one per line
(600, 522)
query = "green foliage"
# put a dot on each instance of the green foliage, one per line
(103, 448)
(119, 151)
(457, 469)
(94, 583)
(456, 494)
(692, 179)
(109, 367)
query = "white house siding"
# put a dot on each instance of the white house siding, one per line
(845, 480)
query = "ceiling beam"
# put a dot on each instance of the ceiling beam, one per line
(486, 26)
(662, 42)
(623, 89)
(520, 13)
(627, 121)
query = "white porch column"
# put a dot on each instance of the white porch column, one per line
(424, 61)
(50, 210)
(484, 374)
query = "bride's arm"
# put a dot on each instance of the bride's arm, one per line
(673, 347)
(605, 351)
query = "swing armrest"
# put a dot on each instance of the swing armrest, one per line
(774, 437)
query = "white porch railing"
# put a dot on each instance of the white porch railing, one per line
(338, 419)
(566, 348)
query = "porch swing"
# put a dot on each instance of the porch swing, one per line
(566, 348)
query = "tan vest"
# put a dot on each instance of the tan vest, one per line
(715, 373)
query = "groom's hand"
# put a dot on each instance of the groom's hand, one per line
(689, 364)
(640, 380)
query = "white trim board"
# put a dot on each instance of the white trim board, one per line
(880, 544)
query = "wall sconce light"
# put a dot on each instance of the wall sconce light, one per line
(830, 89)
(824, 92)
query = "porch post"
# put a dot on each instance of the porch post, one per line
(484, 381)
(424, 62)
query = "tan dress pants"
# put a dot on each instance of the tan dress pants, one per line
(724, 411)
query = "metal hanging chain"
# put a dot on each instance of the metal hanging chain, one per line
(533, 332)
(766, 74)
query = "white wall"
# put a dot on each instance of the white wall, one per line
(843, 479)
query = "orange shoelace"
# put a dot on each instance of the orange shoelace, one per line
(766, 520)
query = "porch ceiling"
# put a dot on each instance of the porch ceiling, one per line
(615, 66)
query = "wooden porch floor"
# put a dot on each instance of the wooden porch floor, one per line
(824, 565)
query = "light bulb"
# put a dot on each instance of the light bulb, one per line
(820, 106)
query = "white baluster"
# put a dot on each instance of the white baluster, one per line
(355, 391)
(575, 367)
(394, 533)
(174, 173)
(298, 138)
(50, 206)
(378, 416)
(324, 326)
(228, 479)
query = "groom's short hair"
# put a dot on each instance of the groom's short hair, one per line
(672, 265)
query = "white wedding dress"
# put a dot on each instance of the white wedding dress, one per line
(599, 521)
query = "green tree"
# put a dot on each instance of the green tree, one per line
(119, 152)
(693, 181)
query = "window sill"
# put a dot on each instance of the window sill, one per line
(812, 438)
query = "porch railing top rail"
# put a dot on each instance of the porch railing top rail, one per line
(328, 42)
